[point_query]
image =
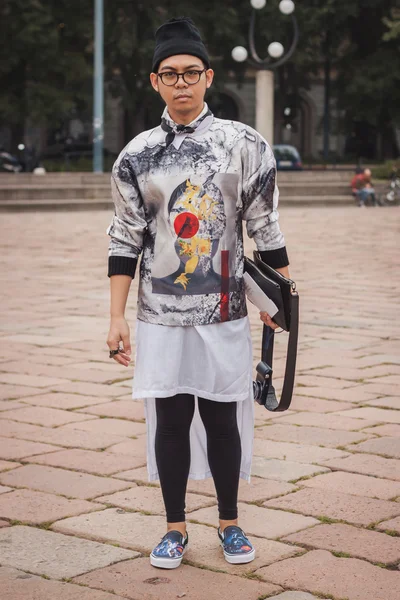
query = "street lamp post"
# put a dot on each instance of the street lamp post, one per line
(265, 67)
(98, 88)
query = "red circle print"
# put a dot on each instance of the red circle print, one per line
(186, 225)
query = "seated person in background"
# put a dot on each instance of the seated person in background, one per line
(362, 188)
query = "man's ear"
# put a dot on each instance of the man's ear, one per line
(154, 81)
(209, 77)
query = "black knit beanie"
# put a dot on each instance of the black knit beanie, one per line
(178, 36)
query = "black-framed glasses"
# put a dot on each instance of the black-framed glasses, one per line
(190, 77)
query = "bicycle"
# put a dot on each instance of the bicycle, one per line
(391, 195)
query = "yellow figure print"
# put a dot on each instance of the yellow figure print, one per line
(190, 267)
(198, 247)
(196, 213)
(202, 206)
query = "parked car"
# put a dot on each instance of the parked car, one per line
(287, 158)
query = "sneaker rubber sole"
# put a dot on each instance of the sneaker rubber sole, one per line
(237, 559)
(166, 563)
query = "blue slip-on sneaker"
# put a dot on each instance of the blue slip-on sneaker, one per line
(169, 552)
(236, 546)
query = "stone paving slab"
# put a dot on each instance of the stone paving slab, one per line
(367, 464)
(68, 372)
(10, 392)
(149, 499)
(138, 580)
(258, 521)
(31, 380)
(368, 413)
(390, 430)
(283, 470)
(40, 415)
(119, 427)
(355, 374)
(319, 381)
(320, 503)
(295, 452)
(53, 554)
(6, 465)
(63, 401)
(319, 406)
(296, 596)
(11, 405)
(354, 484)
(88, 461)
(330, 421)
(131, 530)
(11, 448)
(386, 402)
(320, 572)
(391, 525)
(314, 436)
(30, 506)
(132, 447)
(127, 409)
(17, 585)
(88, 389)
(61, 481)
(262, 489)
(386, 446)
(354, 394)
(4, 489)
(359, 543)
(18, 430)
(76, 438)
(381, 387)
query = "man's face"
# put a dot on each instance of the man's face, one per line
(182, 97)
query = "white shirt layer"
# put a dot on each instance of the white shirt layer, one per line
(208, 361)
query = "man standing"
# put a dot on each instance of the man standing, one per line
(181, 192)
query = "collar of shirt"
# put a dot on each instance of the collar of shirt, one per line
(176, 134)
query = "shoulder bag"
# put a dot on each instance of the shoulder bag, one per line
(282, 291)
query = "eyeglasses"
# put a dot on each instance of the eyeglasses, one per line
(171, 78)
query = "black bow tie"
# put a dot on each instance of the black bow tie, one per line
(171, 133)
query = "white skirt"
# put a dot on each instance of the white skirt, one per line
(207, 361)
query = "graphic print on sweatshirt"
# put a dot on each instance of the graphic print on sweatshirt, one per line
(200, 241)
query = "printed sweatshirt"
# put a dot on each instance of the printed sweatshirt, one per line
(181, 194)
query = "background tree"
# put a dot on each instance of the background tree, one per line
(45, 61)
(46, 56)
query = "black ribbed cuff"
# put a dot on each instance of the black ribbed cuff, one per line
(275, 258)
(122, 265)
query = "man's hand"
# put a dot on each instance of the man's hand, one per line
(266, 319)
(119, 332)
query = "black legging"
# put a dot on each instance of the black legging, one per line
(172, 448)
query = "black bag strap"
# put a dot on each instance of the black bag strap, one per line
(267, 354)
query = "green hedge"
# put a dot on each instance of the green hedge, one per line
(81, 164)
(384, 171)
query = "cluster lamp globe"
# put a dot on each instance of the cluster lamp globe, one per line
(239, 54)
(286, 7)
(275, 49)
(258, 4)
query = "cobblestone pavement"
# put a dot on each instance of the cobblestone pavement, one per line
(78, 515)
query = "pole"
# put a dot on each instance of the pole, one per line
(98, 88)
(327, 97)
(265, 104)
